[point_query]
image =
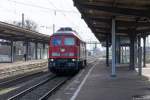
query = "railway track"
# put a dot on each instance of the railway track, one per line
(22, 78)
(49, 93)
(32, 92)
(41, 90)
(9, 89)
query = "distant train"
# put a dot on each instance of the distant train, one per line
(67, 52)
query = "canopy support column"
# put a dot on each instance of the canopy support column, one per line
(43, 51)
(107, 51)
(139, 55)
(113, 73)
(27, 51)
(36, 51)
(144, 51)
(131, 67)
(12, 51)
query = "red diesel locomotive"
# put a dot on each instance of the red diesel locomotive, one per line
(67, 52)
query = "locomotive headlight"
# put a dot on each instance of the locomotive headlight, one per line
(52, 59)
(62, 49)
(73, 59)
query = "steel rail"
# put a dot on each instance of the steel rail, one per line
(49, 93)
(30, 89)
(19, 78)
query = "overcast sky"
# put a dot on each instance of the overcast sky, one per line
(43, 13)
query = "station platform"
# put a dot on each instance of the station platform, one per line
(21, 67)
(127, 85)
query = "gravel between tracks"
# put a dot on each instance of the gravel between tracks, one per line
(20, 80)
(23, 86)
(40, 91)
(31, 96)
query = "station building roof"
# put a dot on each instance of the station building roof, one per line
(132, 16)
(15, 33)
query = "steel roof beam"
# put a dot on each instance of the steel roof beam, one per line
(119, 22)
(115, 10)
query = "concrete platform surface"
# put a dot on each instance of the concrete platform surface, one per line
(20, 67)
(20, 63)
(126, 86)
(97, 84)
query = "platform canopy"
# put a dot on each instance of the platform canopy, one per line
(132, 16)
(12, 32)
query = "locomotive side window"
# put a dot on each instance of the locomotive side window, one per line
(56, 41)
(69, 41)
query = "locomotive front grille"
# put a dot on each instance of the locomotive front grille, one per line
(62, 60)
(63, 63)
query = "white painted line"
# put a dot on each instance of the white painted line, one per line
(74, 81)
(82, 83)
(67, 93)
(91, 61)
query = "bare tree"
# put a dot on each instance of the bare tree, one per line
(28, 24)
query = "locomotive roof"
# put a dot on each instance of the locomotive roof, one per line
(74, 33)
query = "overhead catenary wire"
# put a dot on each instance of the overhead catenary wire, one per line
(56, 9)
(62, 14)
(71, 21)
(41, 7)
(44, 8)
(49, 9)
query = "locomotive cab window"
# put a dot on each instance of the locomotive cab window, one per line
(56, 41)
(69, 41)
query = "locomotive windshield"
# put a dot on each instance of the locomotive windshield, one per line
(69, 41)
(56, 41)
